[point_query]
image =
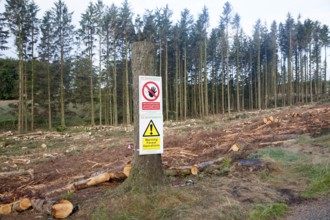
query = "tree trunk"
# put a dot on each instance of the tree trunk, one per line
(237, 80)
(32, 82)
(176, 86)
(310, 73)
(166, 81)
(62, 87)
(91, 88)
(147, 172)
(259, 78)
(115, 103)
(206, 90)
(128, 115)
(100, 78)
(185, 84)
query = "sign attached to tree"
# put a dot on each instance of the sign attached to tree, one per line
(151, 115)
(150, 94)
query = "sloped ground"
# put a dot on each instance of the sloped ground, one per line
(38, 163)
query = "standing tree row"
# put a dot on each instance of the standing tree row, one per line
(62, 68)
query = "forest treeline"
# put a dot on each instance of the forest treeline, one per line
(204, 71)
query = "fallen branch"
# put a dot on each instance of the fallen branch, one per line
(17, 173)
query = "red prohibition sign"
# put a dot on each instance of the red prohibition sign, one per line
(148, 91)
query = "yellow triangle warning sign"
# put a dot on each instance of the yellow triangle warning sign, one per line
(151, 130)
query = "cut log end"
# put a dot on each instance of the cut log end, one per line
(22, 205)
(62, 209)
(5, 209)
(127, 169)
(194, 170)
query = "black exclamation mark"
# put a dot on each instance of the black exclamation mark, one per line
(151, 129)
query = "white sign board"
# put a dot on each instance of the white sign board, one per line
(151, 115)
(151, 134)
(150, 96)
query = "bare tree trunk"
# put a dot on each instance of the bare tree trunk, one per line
(259, 78)
(128, 117)
(147, 172)
(166, 82)
(310, 73)
(185, 84)
(206, 90)
(100, 78)
(115, 103)
(91, 87)
(176, 86)
(62, 87)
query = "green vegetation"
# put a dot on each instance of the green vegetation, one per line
(68, 195)
(271, 211)
(322, 140)
(163, 204)
(300, 166)
(319, 177)
(279, 155)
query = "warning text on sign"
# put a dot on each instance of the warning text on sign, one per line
(151, 106)
(151, 143)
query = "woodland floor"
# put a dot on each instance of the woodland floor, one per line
(35, 164)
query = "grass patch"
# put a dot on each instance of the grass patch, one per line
(271, 211)
(322, 140)
(279, 155)
(319, 177)
(164, 204)
(238, 116)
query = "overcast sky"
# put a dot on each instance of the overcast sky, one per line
(249, 10)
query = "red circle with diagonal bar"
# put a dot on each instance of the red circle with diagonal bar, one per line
(148, 91)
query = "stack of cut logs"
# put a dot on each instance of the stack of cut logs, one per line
(61, 209)
(267, 121)
(64, 208)
(271, 119)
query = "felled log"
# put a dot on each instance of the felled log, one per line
(6, 209)
(117, 175)
(191, 170)
(202, 166)
(22, 205)
(81, 184)
(58, 210)
(180, 171)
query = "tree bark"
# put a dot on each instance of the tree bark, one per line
(147, 172)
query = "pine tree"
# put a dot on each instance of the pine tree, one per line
(87, 33)
(63, 35)
(4, 33)
(126, 28)
(15, 14)
(33, 32)
(226, 20)
(99, 13)
(45, 54)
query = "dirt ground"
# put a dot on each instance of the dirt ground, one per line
(38, 163)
